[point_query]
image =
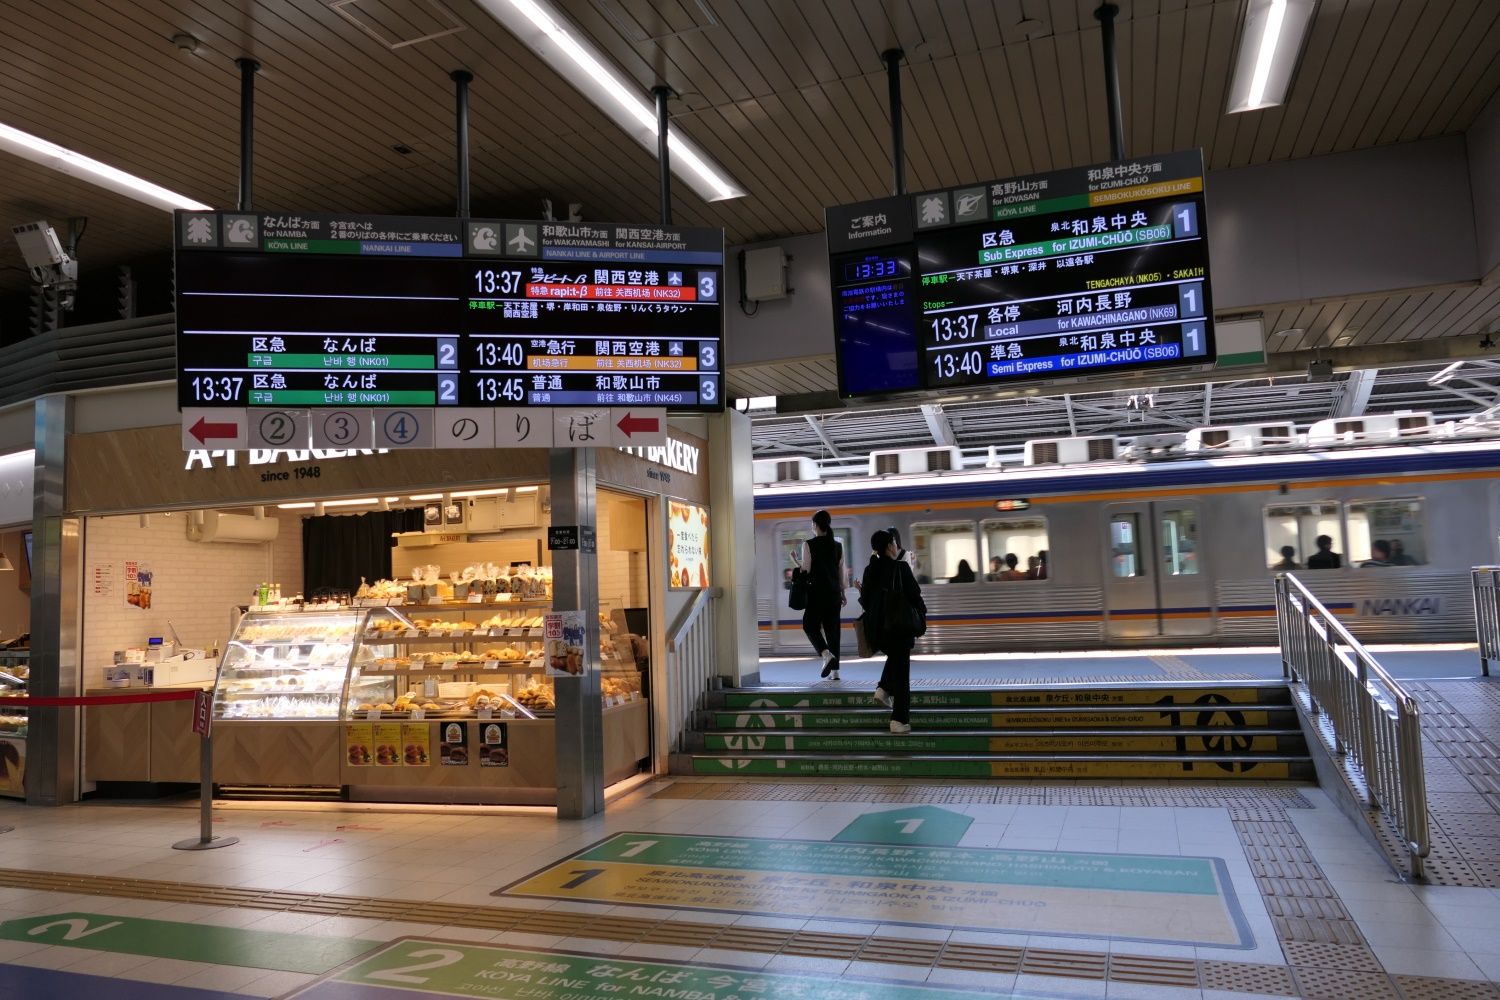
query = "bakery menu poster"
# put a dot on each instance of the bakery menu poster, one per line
(565, 633)
(454, 743)
(387, 744)
(359, 742)
(138, 584)
(687, 531)
(416, 744)
(494, 744)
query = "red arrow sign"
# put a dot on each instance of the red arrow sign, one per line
(630, 424)
(204, 431)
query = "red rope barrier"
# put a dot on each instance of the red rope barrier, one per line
(97, 699)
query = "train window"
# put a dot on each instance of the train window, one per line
(792, 551)
(1179, 543)
(1124, 546)
(1015, 548)
(1292, 533)
(1386, 533)
(945, 552)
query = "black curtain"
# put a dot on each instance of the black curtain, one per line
(339, 549)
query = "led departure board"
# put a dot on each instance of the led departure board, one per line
(286, 311)
(1054, 276)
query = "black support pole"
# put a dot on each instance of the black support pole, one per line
(663, 154)
(1106, 16)
(248, 69)
(892, 58)
(461, 79)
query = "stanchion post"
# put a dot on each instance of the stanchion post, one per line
(203, 726)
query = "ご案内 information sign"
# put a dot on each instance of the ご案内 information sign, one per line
(1054, 276)
(291, 312)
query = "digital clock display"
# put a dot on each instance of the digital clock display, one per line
(872, 268)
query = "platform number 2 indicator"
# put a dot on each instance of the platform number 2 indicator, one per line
(439, 958)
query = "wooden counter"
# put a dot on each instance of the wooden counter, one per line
(155, 743)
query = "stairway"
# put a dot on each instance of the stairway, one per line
(1194, 732)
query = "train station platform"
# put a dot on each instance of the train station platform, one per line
(1222, 886)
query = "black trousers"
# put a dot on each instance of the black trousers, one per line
(895, 680)
(821, 623)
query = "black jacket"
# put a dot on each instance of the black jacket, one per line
(877, 580)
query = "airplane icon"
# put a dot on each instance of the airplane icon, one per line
(521, 243)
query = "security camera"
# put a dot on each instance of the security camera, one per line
(1320, 370)
(45, 257)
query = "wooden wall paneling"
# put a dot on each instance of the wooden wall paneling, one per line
(278, 753)
(176, 750)
(626, 739)
(115, 743)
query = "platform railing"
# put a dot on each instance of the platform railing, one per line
(1487, 613)
(692, 661)
(1375, 722)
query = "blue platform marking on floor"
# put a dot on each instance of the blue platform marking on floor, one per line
(22, 982)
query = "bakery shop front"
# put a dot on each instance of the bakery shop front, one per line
(374, 626)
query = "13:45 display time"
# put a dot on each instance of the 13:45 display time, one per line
(218, 388)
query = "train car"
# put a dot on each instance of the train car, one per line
(1182, 551)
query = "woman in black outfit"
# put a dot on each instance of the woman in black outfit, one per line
(824, 563)
(884, 573)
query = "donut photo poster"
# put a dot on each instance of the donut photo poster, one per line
(687, 541)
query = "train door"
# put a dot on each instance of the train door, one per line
(1156, 582)
(788, 637)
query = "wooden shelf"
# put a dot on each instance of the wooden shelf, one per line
(501, 667)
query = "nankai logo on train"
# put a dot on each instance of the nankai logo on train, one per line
(1401, 607)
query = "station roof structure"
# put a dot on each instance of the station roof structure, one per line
(354, 113)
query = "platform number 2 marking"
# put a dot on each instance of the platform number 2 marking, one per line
(77, 928)
(441, 957)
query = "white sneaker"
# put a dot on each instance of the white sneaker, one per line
(834, 676)
(825, 656)
(900, 728)
(881, 697)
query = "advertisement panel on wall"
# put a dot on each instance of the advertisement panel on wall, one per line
(687, 533)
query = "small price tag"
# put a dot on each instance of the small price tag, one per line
(373, 714)
(496, 632)
(413, 633)
(450, 662)
(476, 598)
(418, 714)
(485, 714)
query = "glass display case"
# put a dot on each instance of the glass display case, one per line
(15, 672)
(291, 665)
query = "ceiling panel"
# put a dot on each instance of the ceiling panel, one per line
(788, 94)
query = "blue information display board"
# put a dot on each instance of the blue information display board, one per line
(1052, 276)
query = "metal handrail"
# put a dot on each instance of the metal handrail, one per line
(692, 661)
(1375, 722)
(1486, 581)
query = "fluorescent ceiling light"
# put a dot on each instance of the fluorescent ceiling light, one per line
(65, 161)
(419, 497)
(1270, 45)
(479, 493)
(544, 30)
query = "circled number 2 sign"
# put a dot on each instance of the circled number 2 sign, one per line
(406, 427)
(278, 429)
(342, 429)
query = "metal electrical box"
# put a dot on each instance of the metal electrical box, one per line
(763, 272)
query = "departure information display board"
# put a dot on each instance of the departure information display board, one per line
(1054, 276)
(375, 311)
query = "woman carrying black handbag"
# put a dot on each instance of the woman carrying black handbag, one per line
(897, 615)
(823, 566)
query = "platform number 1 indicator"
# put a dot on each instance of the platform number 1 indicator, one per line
(1185, 220)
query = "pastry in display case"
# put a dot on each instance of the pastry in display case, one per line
(15, 673)
(283, 665)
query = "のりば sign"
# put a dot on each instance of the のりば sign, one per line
(687, 530)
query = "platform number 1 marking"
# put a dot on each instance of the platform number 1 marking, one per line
(584, 874)
(441, 957)
(639, 847)
(909, 826)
